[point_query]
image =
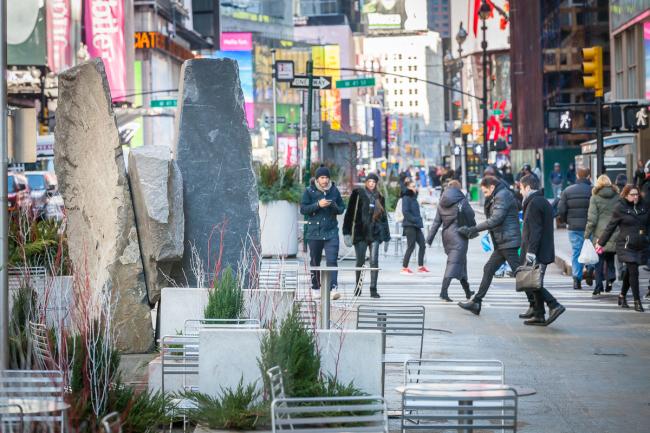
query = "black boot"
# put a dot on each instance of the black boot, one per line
(577, 285)
(622, 302)
(471, 306)
(468, 292)
(445, 296)
(638, 306)
(535, 321)
(554, 313)
(647, 295)
(609, 285)
(589, 277)
(529, 314)
(597, 291)
(374, 294)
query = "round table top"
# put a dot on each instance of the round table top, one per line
(442, 387)
(31, 406)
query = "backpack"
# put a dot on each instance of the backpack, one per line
(399, 216)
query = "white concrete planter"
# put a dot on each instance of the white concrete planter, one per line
(228, 355)
(279, 223)
(179, 304)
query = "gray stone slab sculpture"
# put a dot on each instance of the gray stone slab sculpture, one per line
(213, 151)
(102, 236)
(157, 190)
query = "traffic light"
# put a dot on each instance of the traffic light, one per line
(592, 69)
(636, 117)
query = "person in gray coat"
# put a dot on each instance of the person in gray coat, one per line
(454, 211)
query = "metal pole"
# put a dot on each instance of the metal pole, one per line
(300, 137)
(276, 155)
(484, 45)
(325, 299)
(310, 108)
(600, 151)
(4, 217)
(463, 149)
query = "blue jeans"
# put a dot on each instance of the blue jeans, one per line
(577, 238)
(316, 247)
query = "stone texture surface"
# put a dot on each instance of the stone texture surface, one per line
(101, 227)
(213, 150)
(157, 187)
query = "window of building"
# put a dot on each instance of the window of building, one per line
(631, 62)
(399, 57)
(410, 103)
(618, 65)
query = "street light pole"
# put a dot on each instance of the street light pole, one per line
(4, 218)
(484, 13)
(276, 154)
(460, 39)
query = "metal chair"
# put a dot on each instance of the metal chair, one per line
(112, 423)
(308, 313)
(46, 385)
(393, 321)
(454, 371)
(11, 418)
(180, 356)
(193, 326)
(278, 274)
(41, 346)
(276, 382)
(463, 410)
(366, 414)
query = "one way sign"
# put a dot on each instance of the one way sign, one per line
(319, 82)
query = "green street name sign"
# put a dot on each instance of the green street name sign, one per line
(355, 82)
(163, 103)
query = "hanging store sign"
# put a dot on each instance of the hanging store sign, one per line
(59, 50)
(151, 40)
(236, 41)
(104, 23)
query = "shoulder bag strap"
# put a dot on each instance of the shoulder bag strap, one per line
(354, 219)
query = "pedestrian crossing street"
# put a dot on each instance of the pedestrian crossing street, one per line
(501, 295)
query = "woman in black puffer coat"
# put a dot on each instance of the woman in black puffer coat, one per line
(454, 211)
(366, 226)
(631, 218)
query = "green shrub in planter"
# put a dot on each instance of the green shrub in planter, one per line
(275, 183)
(226, 299)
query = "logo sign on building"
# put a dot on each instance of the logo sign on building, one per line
(149, 40)
(284, 70)
(236, 41)
(394, 15)
(104, 23)
(59, 50)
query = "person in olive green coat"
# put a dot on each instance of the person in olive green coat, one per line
(603, 200)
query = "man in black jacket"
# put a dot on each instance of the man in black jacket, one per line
(537, 246)
(573, 210)
(502, 222)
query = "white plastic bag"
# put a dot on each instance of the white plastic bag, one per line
(399, 216)
(588, 255)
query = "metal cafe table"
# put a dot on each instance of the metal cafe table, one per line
(325, 280)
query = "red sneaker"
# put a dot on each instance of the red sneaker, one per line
(406, 271)
(423, 270)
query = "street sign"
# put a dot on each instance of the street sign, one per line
(163, 103)
(302, 82)
(315, 135)
(284, 70)
(355, 82)
(280, 119)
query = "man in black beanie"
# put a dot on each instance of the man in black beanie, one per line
(322, 203)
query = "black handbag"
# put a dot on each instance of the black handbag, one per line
(528, 278)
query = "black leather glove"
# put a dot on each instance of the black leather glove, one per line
(468, 232)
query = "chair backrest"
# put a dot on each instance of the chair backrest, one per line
(330, 415)
(12, 417)
(276, 382)
(193, 326)
(179, 356)
(454, 371)
(460, 410)
(308, 313)
(112, 423)
(32, 384)
(41, 346)
(393, 320)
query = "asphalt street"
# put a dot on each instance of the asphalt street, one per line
(590, 368)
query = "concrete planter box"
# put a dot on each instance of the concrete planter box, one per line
(179, 304)
(228, 355)
(279, 224)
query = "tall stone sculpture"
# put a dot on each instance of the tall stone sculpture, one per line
(157, 187)
(213, 151)
(102, 235)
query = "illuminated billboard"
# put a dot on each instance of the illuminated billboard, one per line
(386, 15)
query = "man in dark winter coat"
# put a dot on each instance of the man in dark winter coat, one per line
(537, 246)
(573, 210)
(502, 222)
(321, 203)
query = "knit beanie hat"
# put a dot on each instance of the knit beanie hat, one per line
(322, 171)
(372, 176)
